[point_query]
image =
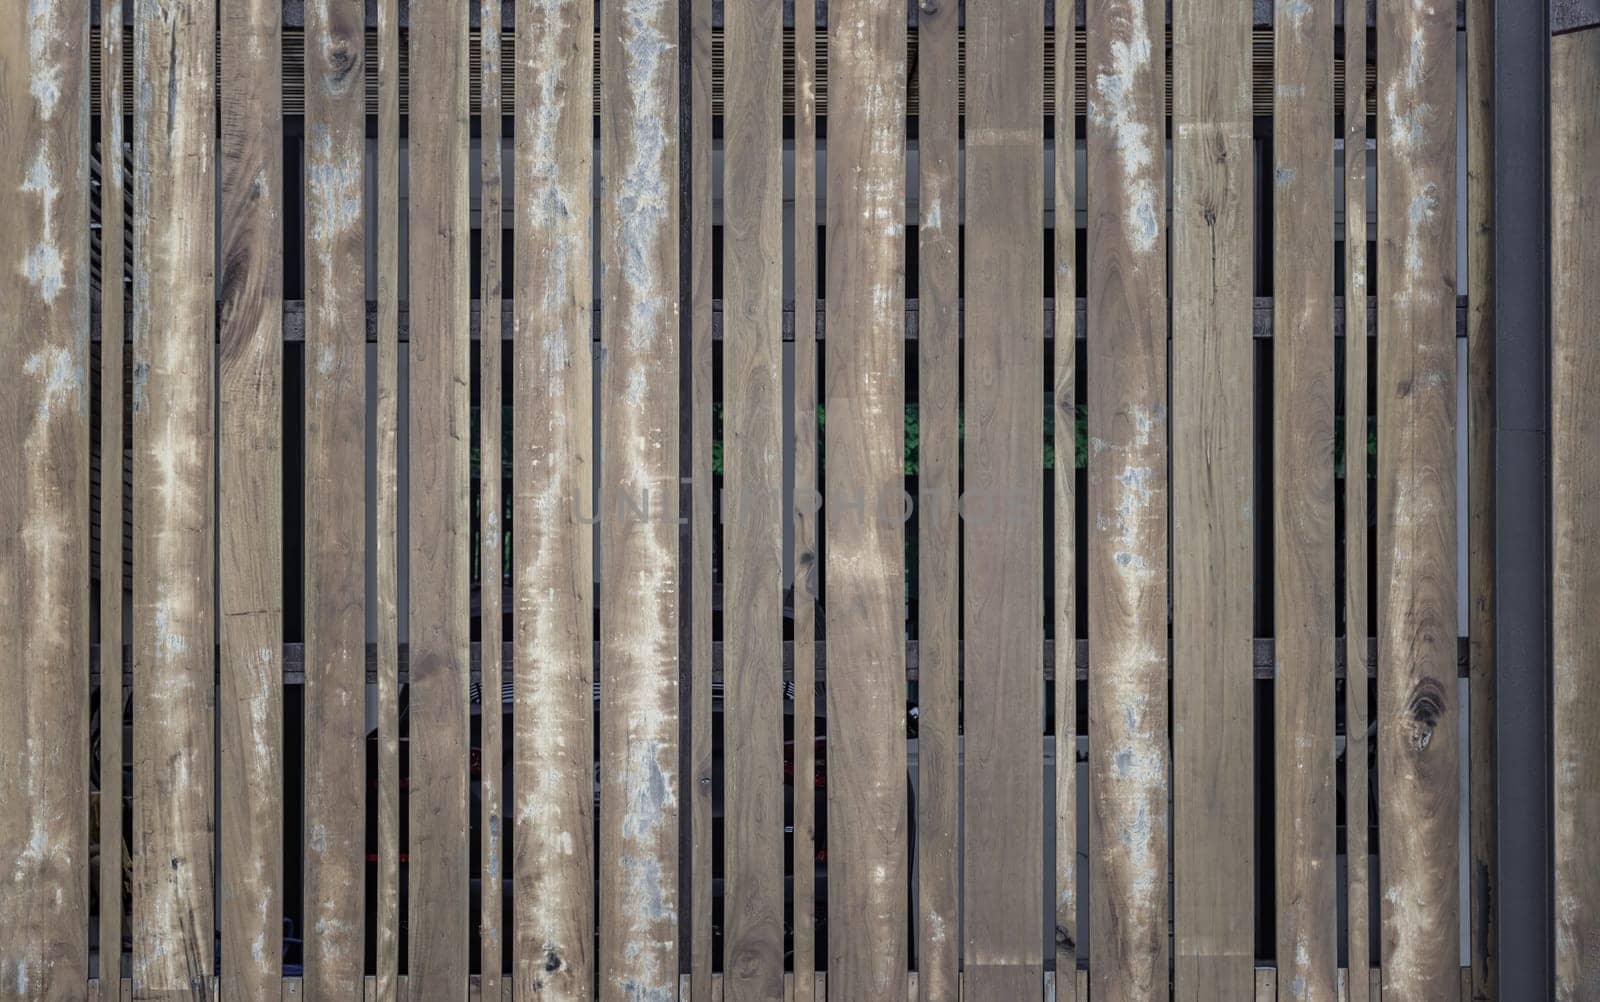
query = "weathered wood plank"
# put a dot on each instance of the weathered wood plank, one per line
(1002, 698)
(1418, 714)
(1127, 501)
(44, 505)
(440, 232)
(250, 472)
(1303, 530)
(1357, 420)
(753, 904)
(1575, 427)
(491, 758)
(1212, 518)
(639, 484)
(864, 394)
(173, 316)
(939, 540)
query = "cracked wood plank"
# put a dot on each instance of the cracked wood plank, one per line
(250, 473)
(1003, 694)
(1212, 519)
(865, 583)
(173, 516)
(638, 903)
(1303, 530)
(44, 505)
(1418, 715)
(440, 235)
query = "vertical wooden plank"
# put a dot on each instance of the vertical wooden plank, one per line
(553, 744)
(1575, 427)
(1004, 427)
(250, 471)
(639, 487)
(1266, 984)
(174, 129)
(386, 434)
(865, 395)
(1480, 496)
(1417, 711)
(44, 507)
(491, 532)
(1213, 349)
(806, 497)
(335, 531)
(1303, 531)
(440, 294)
(753, 905)
(1357, 413)
(1127, 500)
(113, 498)
(939, 466)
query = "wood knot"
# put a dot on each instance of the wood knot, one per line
(1423, 712)
(1064, 938)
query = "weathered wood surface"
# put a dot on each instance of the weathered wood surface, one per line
(1127, 427)
(1306, 798)
(867, 851)
(173, 516)
(1003, 692)
(1212, 517)
(44, 504)
(1575, 491)
(938, 521)
(250, 491)
(440, 232)
(638, 233)
(1418, 713)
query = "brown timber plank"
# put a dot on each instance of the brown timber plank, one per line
(864, 396)
(1303, 530)
(1418, 714)
(939, 544)
(638, 904)
(173, 318)
(1128, 765)
(250, 470)
(1004, 822)
(553, 743)
(1483, 793)
(440, 235)
(44, 506)
(1212, 517)
(1357, 420)
(1575, 427)
(753, 907)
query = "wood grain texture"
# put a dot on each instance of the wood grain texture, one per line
(440, 235)
(1306, 796)
(44, 505)
(250, 472)
(173, 340)
(864, 395)
(491, 531)
(553, 948)
(938, 519)
(1128, 766)
(1004, 424)
(1357, 508)
(1575, 491)
(1479, 234)
(1417, 711)
(1212, 517)
(386, 506)
(335, 530)
(638, 903)
(113, 496)
(753, 903)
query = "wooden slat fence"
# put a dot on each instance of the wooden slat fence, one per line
(713, 499)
